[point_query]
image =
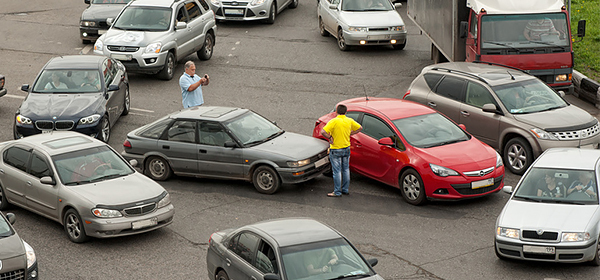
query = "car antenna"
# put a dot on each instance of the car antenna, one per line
(365, 90)
(511, 76)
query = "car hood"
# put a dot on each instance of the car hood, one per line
(12, 246)
(60, 105)
(480, 156)
(123, 190)
(119, 37)
(380, 18)
(569, 116)
(293, 145)
(101, 12)
(547, 216)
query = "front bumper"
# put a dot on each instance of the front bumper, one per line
(303, 174)
(91, 33)
(588, 143)
(459, 187)
(241, 11)
(375, 38)
(114, 227)
(137, 61)
(572, 253)
(24, 131)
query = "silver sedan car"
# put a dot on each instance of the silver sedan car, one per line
(362, 22)
(553, 214)
(81, 183)
(245, 10)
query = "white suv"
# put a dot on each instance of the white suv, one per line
(150, 36)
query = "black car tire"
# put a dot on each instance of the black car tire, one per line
(266, 180)
(158, 169)
(517, 155)
(126, 103)
(272, 13)
(205, 53)
(168, 70)
(3, 200)
(341, 41)
(322, 29)
(399, 46)
(596, 260)
(294, 4)
(104, 133)
(222, 275)
(74, 227)
(412, 188)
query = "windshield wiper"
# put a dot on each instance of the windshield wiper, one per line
(529, 198)
(551, 108)
(547, 44)
(106, 177)
(351, 275)
(77, 182)
(445, 143)
(502, 44)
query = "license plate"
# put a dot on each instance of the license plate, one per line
(482, 183)
(121, 56)
(234, 11)
(539, 249)
(46, 131)
(144, 223)
(378, 37)
(320, 162)
(101, 31)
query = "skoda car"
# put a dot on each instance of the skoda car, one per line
(418, 150)
(558, 226)
(228, 143)
(83, 184)
(244, 10)
(281, 249)
(17, 258)
(93, 19)
(84, 93)
(362, 22)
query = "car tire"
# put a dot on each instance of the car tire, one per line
(3, 200)
(158, 169)
(272, 14)
(222, 275)
(126, 103)
(74, 227)
(399, 46)
(596, 260)
(168, 70)
(411, 187)
(294, 4)
(517, 155)
(104, 133)
(341, 41)
(266, 180)
(322, 29)
(205, 53)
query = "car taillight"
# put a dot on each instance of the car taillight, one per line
(127, 144)
(210, 239)
(406, 94)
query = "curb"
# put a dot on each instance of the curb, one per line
(586, 88)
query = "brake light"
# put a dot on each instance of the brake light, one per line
(406, 94)
(127, 144)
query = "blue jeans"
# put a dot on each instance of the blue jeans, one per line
(340, 167)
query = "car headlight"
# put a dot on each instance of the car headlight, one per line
(298, 163)
(164, 201)
(397, 28)
(561, 78)
(106, 213)
(23, 120)
(542, 134)
(98, 46)
(153, 48)
(507, 232)
(257, 2)
(215, 2)
(575, 236)
(357, 29)
(89, 120)
(30, 254)
(87, 23)
(442, 171)
(498, 160)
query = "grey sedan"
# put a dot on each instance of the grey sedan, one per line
(229, 143)
(81, 183)
(293, 248)
(553, 214)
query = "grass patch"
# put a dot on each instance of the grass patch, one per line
(587, 51)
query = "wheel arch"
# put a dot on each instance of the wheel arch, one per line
(259, 163)
(149, 155)
(535, 148)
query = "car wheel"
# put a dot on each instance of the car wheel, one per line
(157, 169)
(517, 155)
(399, 46)
(272, 13)
(126, 103)
(167, 72)
(222, 275)
(266, 180)
(341, 41)
(596, 260)
(411, 187)
(3, 200)
(205, 53)
(294, 4)
(74, 227)
(322, 29)
(104, 133)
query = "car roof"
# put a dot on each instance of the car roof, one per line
(154, 3)
(490, 74)
(391, 107)
(516, 6)
(215, 113)
(295, 231)
(569, 158)
(75, 62)
(58, 142)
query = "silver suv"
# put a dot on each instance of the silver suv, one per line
(514, 112)
(150, 36)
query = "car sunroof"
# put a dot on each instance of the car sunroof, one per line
(66, 142)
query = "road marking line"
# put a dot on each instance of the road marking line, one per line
(138, 114)
(86, 49)
(15, 96)
(142, 110)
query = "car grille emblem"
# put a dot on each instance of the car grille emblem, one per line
(234, 3)
(481, 173)
(540, 231)
(54, 118)
(122, 49)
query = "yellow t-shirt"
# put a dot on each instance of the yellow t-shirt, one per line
(339, 128)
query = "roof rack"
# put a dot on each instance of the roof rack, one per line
(460, 72)
(503, 65)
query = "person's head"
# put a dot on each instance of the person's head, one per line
(90, 75)
(585, 177)
(341, 109)
(55, 77)
(550, 179)
(190, 68)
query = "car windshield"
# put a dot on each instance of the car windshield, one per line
(430, 130)
(144, 19)
(5, 229)
(549, 185)
(90, 165)
(366, 5)
(299, 261)
(529, 96)
(68, 81)
(252, 129)
(524, 31)
(110, 1)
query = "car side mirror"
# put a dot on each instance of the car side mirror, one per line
(11, 218)
(372, 262)
(462, 126)
(397, 5)
(271, 276)
(113, 87)
(490, 108)
(47, 180)
(230, 144)
(181, 25)
(507, 189)
(86, 1)
(25, 87)
(109, 21)
(561, 93)
(333, 7)
(133, 162)
(581, 28)
(386, 141)
(464, 27)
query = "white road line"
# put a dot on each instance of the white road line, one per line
(137, 114)
(86, 49)
(141, 110)
(15, 96)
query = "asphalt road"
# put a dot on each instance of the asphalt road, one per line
(292, 75)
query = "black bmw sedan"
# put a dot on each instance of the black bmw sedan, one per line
(84, 93)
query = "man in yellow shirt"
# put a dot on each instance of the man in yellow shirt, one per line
(338, 131)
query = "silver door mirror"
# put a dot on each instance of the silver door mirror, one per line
(507, 189)
(333, 7)
(109, 21)
(397, 5)
(133, 162)
(47, 180)
(561, 93)
(181, 25)
(11, 218)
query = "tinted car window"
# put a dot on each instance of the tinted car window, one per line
(375, 128)
(451, 87)
(193, 10)
(204, 4)
(17, 157)
(265, 258)
(246, 246)
(432, 79)
(353, 115)
(477, 95)
(182, 131)
(39, 167)
(155, 131)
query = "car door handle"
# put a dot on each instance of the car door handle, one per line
(228, 261)
(202, 151)
(431, 104)
(357, 144)
(166, 147)
(1, 171)
(252, 278)
(465, 113)
(29, 183)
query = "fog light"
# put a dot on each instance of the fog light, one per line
(362, 42)
(84, 34)
(33, 274)
(393, 41)
(441, 191)
(298, 173)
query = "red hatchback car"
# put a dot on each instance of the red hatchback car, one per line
(413, 147)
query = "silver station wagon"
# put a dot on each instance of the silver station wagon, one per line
(81, 183)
